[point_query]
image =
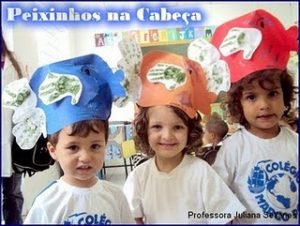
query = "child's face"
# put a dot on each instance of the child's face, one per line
(263, 108)
(80, 157)
(167, 133)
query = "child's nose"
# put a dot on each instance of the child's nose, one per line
(167, 134)
(84, 156)
(264, 103)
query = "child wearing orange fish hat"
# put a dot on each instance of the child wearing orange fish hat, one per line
(259, 161)
(172, 186)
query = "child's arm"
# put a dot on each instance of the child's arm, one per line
(225, 162)
(126, 216)
(133, 193)
(219, 199)
(36, 215)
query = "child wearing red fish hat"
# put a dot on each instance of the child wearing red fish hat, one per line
(259, 161)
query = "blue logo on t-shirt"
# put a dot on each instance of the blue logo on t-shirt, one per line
(275, 187)
(90, 219)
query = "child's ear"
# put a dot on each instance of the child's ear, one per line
(51, 150)
(213, 136)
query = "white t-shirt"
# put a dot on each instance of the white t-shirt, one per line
(190, 193)
(263, 173)
(61, 203)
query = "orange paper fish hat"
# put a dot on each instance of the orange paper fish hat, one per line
(254, 42)
(170, 79)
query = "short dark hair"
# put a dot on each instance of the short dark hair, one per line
(141, 123)
(218, 127)
(263, 77)
(82, 128)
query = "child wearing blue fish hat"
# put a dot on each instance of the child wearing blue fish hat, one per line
(70, 102)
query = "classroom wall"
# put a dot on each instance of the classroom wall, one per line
(37, 46)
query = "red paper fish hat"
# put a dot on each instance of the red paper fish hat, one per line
(170, 79)
(254, 42)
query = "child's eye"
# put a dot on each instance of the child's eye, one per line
(250, 97)
(96, 147)
(73, 148)
(273, 93)
(179, 127)
(155, 126)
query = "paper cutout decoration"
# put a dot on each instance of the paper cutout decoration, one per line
(251, 54)
(130, 64)
(29, 121)
(77, 89)
(216, 70)
(181, 83)
(57, 86)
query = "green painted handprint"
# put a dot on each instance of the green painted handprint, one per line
(56, 87)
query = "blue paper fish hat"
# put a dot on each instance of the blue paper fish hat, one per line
(60, 94)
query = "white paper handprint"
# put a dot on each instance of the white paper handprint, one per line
(216, 70)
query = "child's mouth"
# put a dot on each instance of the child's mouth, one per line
(266, 117)
(84, 167)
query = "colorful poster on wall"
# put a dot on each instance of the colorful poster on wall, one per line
(154, 37)
(118, 133)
